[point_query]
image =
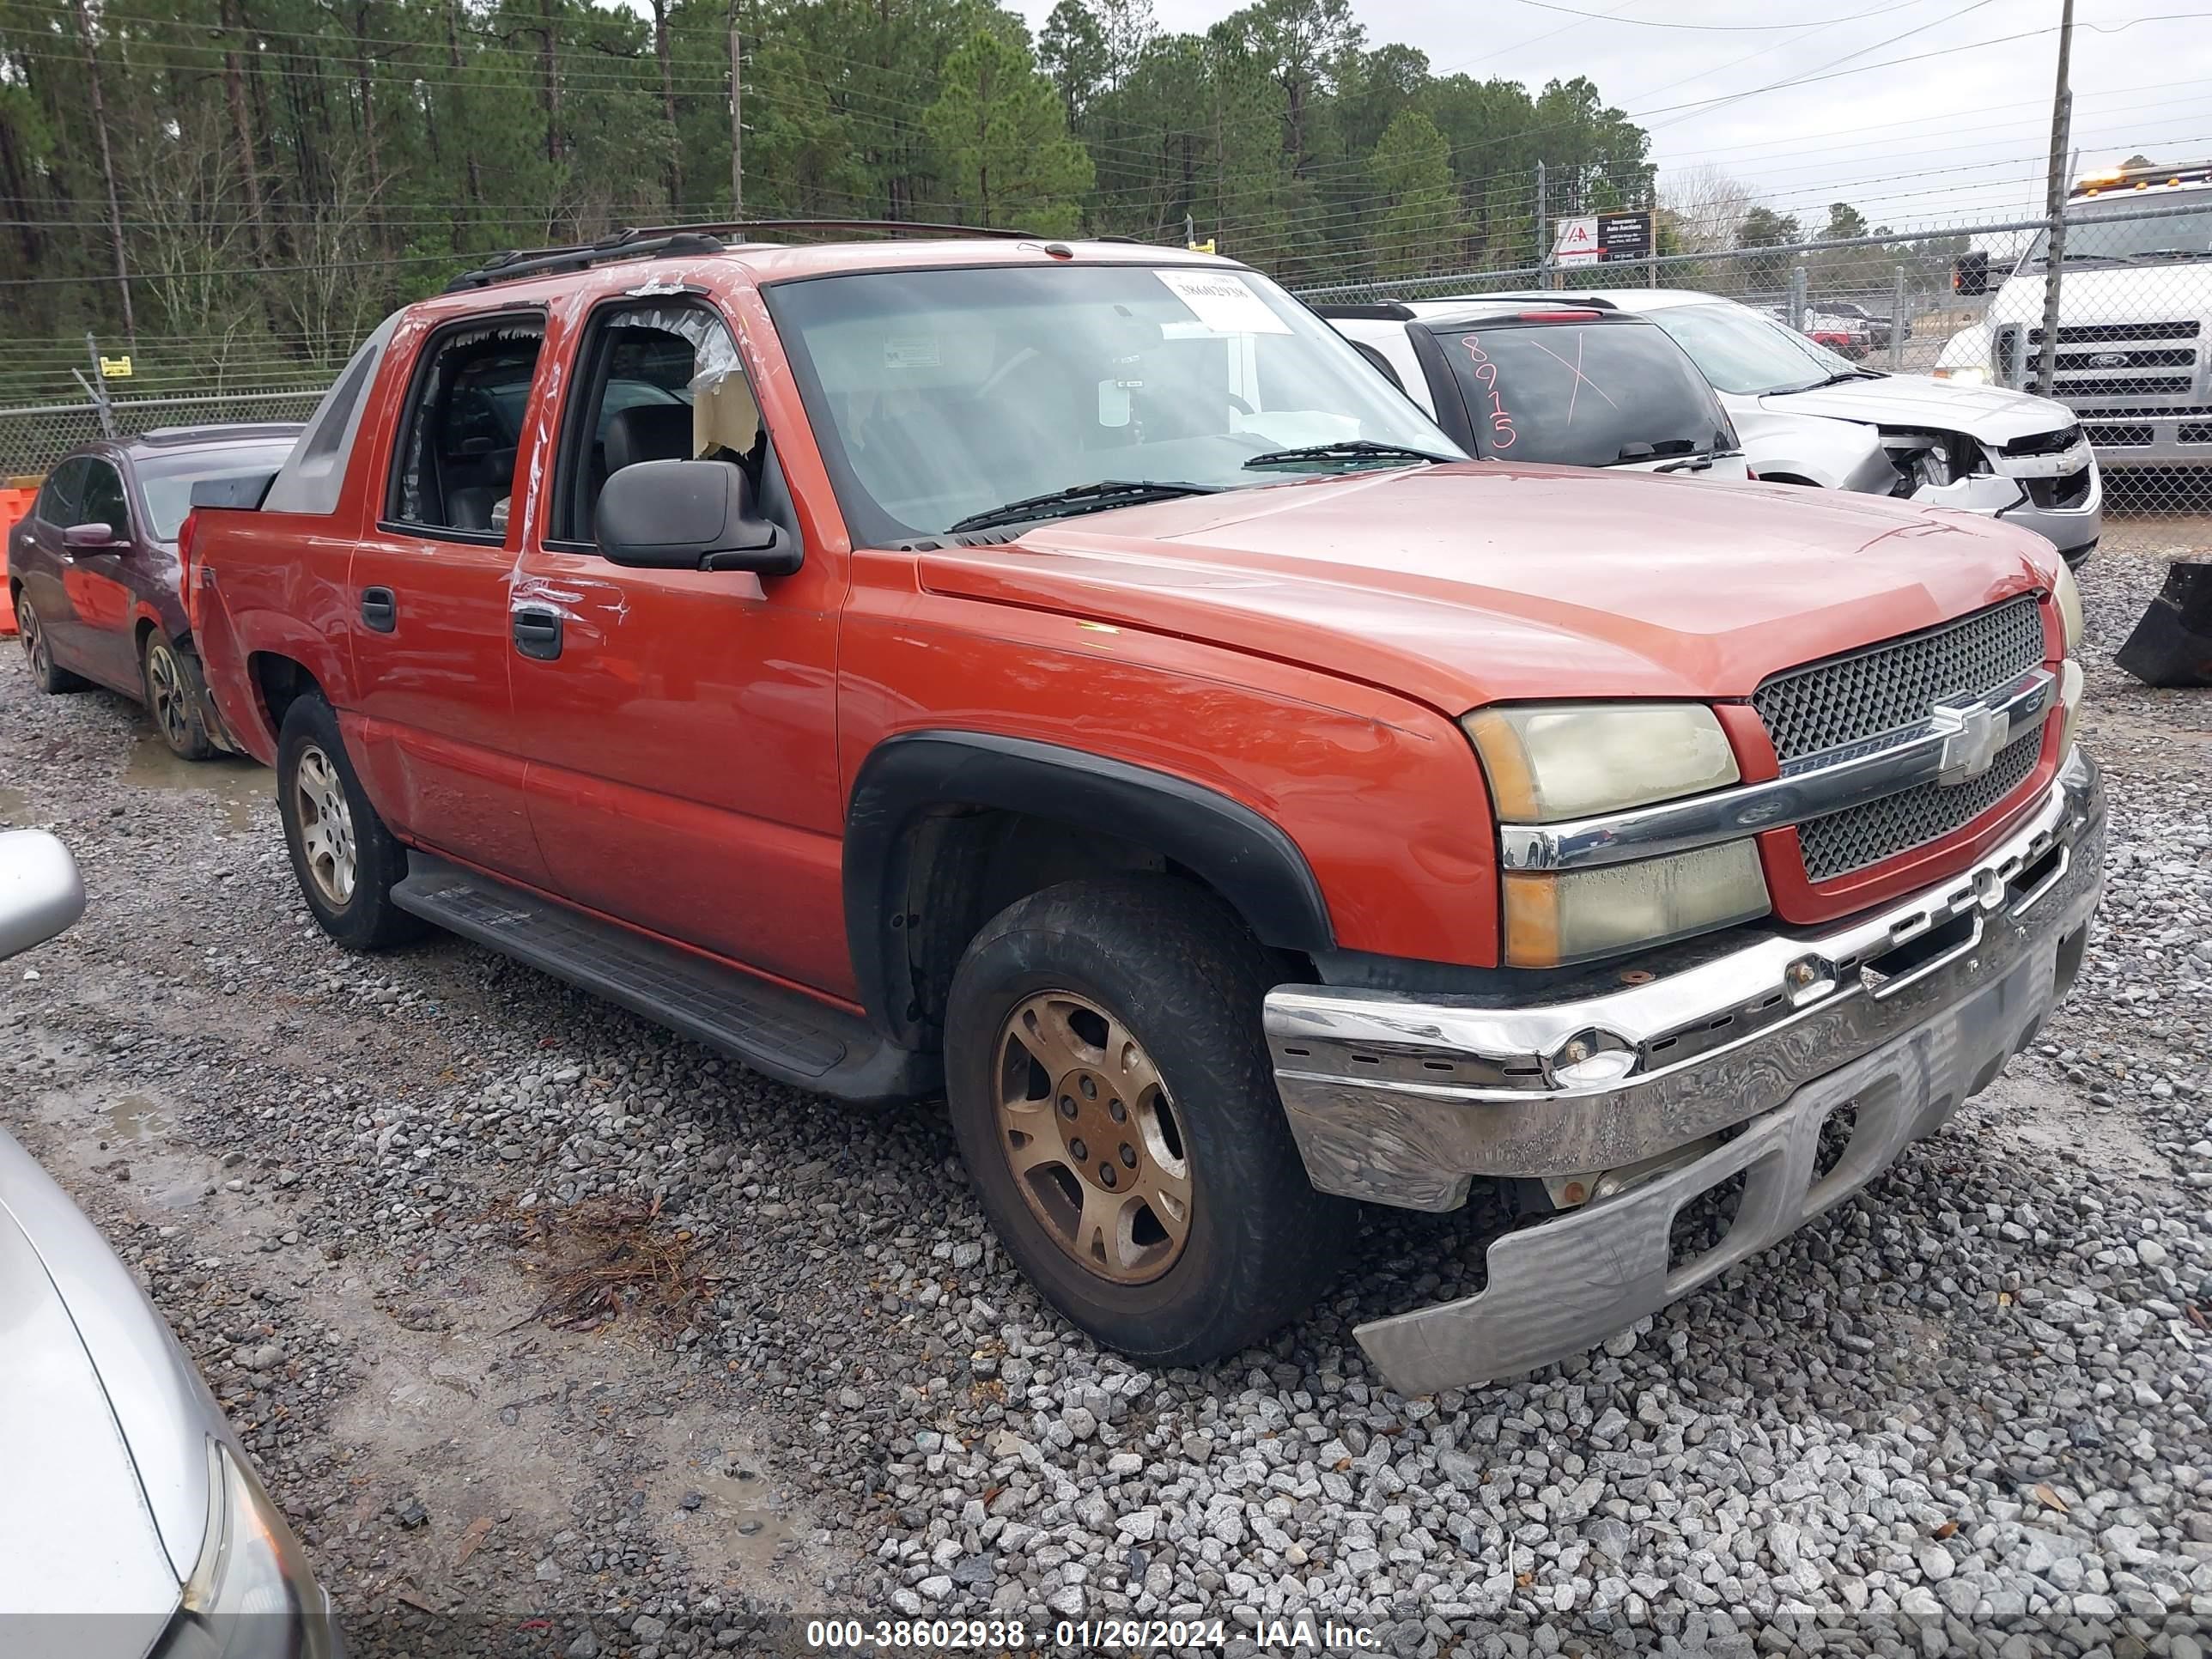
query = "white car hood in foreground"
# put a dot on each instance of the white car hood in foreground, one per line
(79, 1551)
(1991, 414)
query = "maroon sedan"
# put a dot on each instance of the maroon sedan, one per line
(93, 571)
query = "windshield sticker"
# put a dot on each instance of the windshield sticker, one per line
(1223, 302)
(912, 351)
(1502, 434)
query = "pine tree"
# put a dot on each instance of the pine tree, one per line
(1001, 139)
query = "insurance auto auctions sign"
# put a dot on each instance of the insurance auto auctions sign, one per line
(1601, 238)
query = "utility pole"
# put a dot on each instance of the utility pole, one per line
(2061, 121)
(1543, 233)
(738, 123)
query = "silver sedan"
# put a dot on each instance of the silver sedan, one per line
(131, 1523)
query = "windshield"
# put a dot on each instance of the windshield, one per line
(167, 481)
(2093, 231)
(941, 394)
(1591, 395)
(1741, 351)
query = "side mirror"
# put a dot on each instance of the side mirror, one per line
(1971, 276)
(690, 515)
(40, 893)
(91, 539)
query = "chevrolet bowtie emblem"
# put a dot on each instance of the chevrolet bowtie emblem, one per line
(1972, 733)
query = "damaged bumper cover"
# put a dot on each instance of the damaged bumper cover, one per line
(1901, 1015)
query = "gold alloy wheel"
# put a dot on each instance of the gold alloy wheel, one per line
(1092, 1137)
(325, 824)
(171, 702)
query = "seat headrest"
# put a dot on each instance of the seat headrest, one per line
(648, 432)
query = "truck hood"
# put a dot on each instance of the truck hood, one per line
(1468, 583)
(2111, 293)
(1991, 414)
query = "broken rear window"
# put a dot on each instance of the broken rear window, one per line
(1595, 394)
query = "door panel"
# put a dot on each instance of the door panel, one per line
(100, 583)
(43, 570)
(432, 719)
(681, 743)
(683, 752)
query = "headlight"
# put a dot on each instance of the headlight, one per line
(1555, 917)
(1546, 761)
(1964, 374)
(1550, 762)
(252, 1592)
(2068, 595)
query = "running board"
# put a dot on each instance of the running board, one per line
(777, 1032)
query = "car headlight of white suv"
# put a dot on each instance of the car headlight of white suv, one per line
(251, 1595)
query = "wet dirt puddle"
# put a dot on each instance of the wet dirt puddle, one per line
(238, 784)
(14, 807)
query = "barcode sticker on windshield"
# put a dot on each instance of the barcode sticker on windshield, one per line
(912, 351)
(1223, 302)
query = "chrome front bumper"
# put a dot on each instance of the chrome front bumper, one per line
(1904, 1013)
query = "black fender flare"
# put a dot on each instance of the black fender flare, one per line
(1249, 861)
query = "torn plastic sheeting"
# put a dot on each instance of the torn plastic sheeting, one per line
(723, 412)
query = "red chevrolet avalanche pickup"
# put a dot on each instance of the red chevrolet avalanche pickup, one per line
(1065, 678)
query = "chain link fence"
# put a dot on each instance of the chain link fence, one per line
(34, 437)
(2133, 353)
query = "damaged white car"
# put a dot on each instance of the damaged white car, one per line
(1808, 417)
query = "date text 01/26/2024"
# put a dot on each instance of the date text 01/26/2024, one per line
(1002, 1639)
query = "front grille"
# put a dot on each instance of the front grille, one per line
(1846, 699)
(2121, 437)
(2085, 386)
(2112, 333)
(2059, 493)
(2159, 357)
(2194, 435)
(1844, 841)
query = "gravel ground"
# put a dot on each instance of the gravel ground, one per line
(556, 1335)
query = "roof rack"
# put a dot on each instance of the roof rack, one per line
(691, 241)
(163, 436)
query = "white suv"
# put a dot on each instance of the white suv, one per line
(1807, 416)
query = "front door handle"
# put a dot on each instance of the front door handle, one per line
(538, 633)
(378, 609)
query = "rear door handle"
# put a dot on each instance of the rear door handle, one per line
(378, 609)
(538, 633)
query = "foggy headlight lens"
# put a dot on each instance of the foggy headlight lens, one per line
(1966, 375)
(2068, 593)
(1546, 761)
(252, 1595)
(1555, 917)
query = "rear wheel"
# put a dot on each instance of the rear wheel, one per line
(175, 688)
(1111, 1090)
(346, 862)
(39, 646)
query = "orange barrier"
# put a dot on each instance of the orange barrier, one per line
(17, 495)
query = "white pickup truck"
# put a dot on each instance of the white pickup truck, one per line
(2134, 323)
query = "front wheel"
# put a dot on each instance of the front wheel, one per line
(175, 688)
(1110, 1088)
(346, 862)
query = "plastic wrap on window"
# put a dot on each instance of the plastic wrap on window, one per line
(723, 413)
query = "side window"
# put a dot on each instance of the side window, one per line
(453, 469)
(313, 474)
(64, 488)
(654, 382)
(103, 502)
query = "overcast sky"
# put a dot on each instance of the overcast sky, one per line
(1956, 136)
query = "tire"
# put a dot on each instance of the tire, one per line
(1176, 971)
(174, 687)
(38, 646)
(345, 860)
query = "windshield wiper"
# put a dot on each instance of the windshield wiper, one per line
(2069, 259)
(1348, 449)
(1080, 498)
(2169, 254)
(1700, 462)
